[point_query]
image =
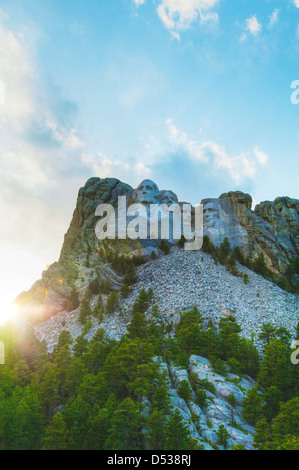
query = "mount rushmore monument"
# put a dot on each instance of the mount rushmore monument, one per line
(272, 228)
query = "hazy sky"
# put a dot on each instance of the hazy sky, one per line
(194, 94)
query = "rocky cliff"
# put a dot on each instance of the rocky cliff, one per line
(272, 229)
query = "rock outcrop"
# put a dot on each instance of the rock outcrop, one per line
(272, 228)
(204, 422)
(181, 281)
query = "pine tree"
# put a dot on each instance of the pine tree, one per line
(252, 406)
(131, 275)
(57, 435)
(276, 368)
(268, 332)
(126, 427)
(271, 406)
(125, 291)
(85, 311)
(259, 265)
(156, 432)
(138, 328)
(177, 434)
(223, 436)
(112, 303)
(99, 308)
(181, 242)
(185, 391)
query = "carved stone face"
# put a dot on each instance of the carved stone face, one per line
(210, 214)
(147, 192)
(168, 197)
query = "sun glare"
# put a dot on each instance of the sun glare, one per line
(18, 271)
(7, 310)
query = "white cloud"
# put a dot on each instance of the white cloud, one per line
(253, 26)
(137, 3)
(261, 156)
(104, 167)
(296, 3)
(40, 154)
(210, 153)
(181, 139)
(177, 15)
(274, 17)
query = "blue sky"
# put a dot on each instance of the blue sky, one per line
(194, 94)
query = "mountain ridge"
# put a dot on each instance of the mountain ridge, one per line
(82, 254)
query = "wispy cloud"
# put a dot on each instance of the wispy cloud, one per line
(209, 153)
(253, 26)
(137, 3)
(178, 15)
(102, 165)
(40, 152)
(273, 19)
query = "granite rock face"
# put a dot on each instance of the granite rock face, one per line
(272, 228)
(204, 422)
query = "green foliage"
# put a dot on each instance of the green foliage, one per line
(219, 367)
(276, 369)
(87, 327)
(223, 436)
(138, 328)
(224, 250)
(142, 302)
(289, 281)
(260, 267)
(56, 434)
(125, 291)
(105, 286)
(99, 308)
(112, 303)
(94, 287)
(87, 397)
(184, 391)
(85, 311)
(282, 433)
(201, 398)
(87, 263)
(73, 302)
(165, 247)
(177, 434)
(271, 406)
(268, 332)
(252, 406)
(207, 246)
(94, 394)
(125, 432)
(181, 242)
(238, 447)
(130, 276)
(156, 436)
(232, 400)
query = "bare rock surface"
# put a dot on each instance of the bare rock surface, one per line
(182, 280)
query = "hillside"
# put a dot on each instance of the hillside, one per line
(151, 346)
(271, 231)
(180, 281)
